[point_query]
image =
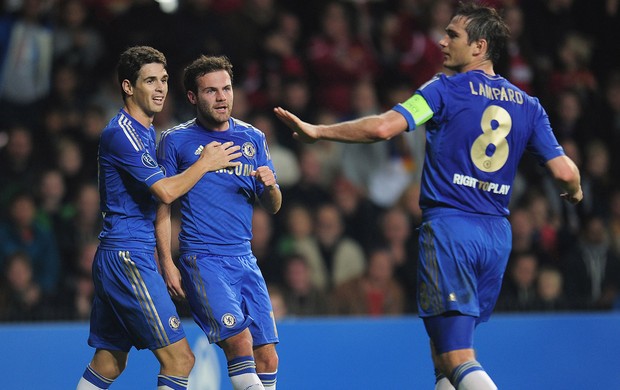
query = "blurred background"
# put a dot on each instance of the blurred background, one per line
(345, 241)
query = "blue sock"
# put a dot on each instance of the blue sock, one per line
(98, 380)
(173, 382)
(438, 375)
(459, 372)
(269, 379)
(241, 365)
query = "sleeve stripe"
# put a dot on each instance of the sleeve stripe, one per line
(130, 133)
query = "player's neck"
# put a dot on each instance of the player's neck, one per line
(136, 113)
(485, 65)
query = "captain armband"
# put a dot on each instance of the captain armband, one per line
(418, 108)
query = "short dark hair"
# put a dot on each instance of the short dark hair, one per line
(133, 59)
(203, 65)
(485, 23)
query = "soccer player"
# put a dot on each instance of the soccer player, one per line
(132, 306)
(224, 286)
(478, 125)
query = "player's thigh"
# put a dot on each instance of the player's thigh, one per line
(457, 253)
(137, 295)
(258, 304)
(213, 288)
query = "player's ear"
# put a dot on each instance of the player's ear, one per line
(127, 87)
(480, 47)
(191, 96)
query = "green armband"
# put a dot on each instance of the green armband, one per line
(418, 108)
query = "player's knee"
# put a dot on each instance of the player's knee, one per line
(186, 361)
(267, 362)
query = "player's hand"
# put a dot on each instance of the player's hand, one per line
(573, 199)
(265, 175)
(220, 155)
(172, 277)
(302, 131)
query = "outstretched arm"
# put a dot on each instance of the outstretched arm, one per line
(368, 129)
(567, 175)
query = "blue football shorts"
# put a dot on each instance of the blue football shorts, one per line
(462, 261)
(226, 295)
(131, 306)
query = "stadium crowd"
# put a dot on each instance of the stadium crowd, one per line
(345, 242)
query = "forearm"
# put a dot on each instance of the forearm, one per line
(163, 234)
(364, 130)
(567, 176)
(171, 188)
(271, 199)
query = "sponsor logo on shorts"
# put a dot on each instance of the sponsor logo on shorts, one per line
(174, 322)
(229, 320)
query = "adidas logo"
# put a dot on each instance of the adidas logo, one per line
(199, 150)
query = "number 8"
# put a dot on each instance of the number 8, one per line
(496, 124)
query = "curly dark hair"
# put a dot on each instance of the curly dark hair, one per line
(203, 65)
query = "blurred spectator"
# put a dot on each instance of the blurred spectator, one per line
(338, 59)
(523, 233)
(518, 291)
(21, 297)
(568, 118)
(596, 179)
(309, 189)
(284, 160)
(545, 225)
(301, 296)
(599, 20)
(78, 288)
(359, 214)
(93, 122)
(592, 269)
(20, 165)
(519, 50)
(550, 290)
(296, 97)
(614, 221)
(81, 227)
(342, 257)
(52, 202)
(572, 71)
(421, 57)
(69, 161)
(66, 97)
(201, 30)
(539, 15)
(25, 63)
(22, 232)
(263, 247)
(77, 41)
(610, 118)
(402, 244)
(375, 293)
(298, 237)
(278, 304)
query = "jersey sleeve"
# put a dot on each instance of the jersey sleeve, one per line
(543, 143)
(263, 158)
(166, 156)
(423, 105)
(130, 155)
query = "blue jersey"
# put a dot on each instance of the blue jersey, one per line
(479, 129)
(217, 211)
(127, 168)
